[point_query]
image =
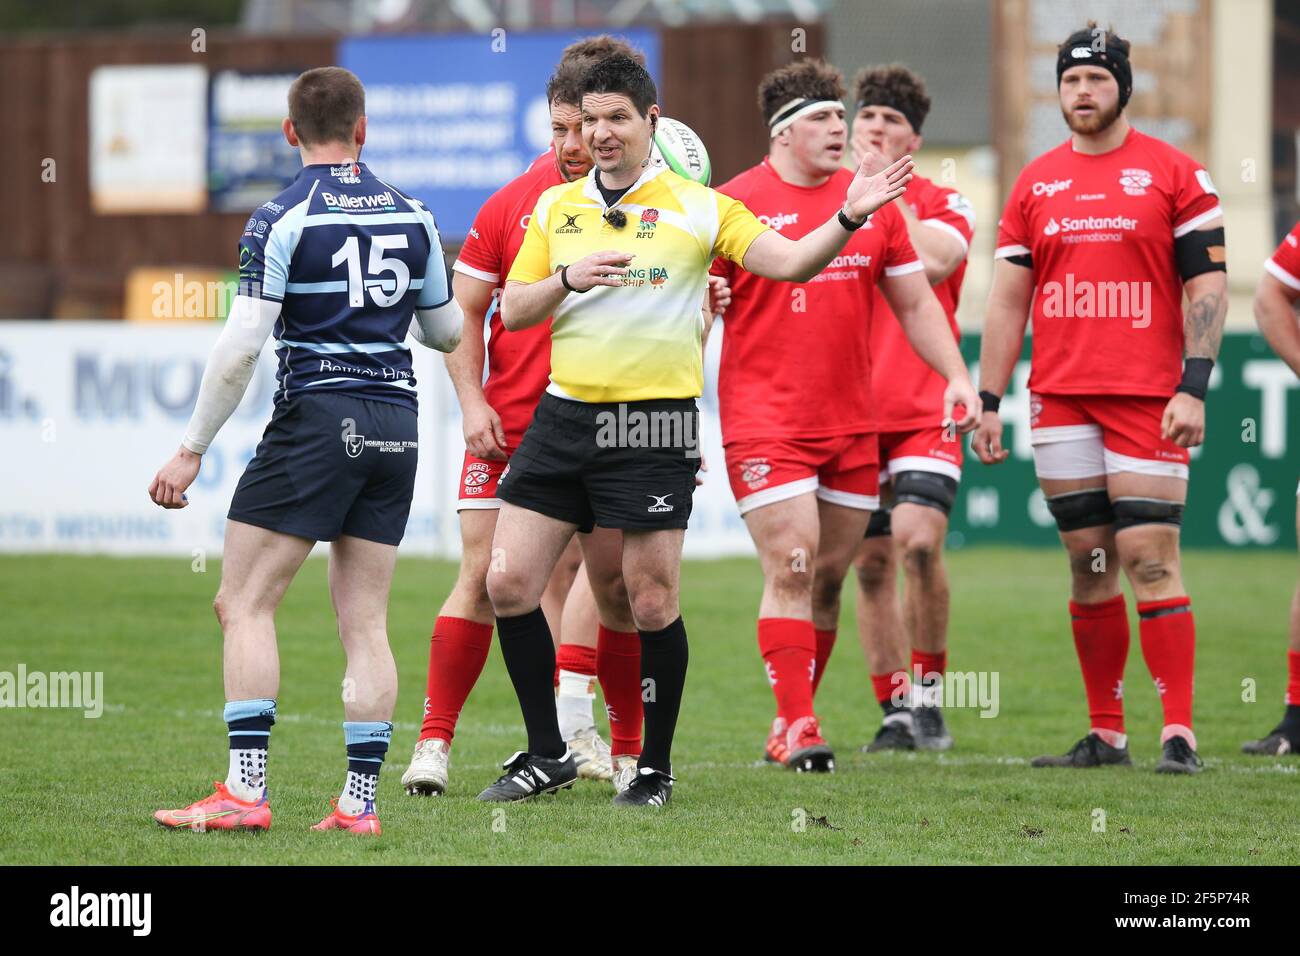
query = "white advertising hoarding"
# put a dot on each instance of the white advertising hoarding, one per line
(90, 410)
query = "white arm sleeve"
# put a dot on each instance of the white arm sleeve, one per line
(229, 368)
(439, 328)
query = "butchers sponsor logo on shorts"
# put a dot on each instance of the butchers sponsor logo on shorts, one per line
(1087, 299)
(637, 428)
(1090, 228)
(354, 445)
(477, 475)
(754, 472)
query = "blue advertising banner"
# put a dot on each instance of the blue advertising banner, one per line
(453, 117)
(249, 160)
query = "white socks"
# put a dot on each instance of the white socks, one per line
(573, 705)
(246, 779)
(358, 788)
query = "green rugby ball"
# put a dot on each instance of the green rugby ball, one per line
(682, 150)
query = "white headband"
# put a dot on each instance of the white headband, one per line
(797, 109)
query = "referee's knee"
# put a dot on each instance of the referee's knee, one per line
(654, 607)
(510, 594)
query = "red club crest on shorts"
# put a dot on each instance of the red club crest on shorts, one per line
(754, 472)
(476, 475)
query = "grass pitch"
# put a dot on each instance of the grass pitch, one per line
(81, 791)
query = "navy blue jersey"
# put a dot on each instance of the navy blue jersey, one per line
(350, 258)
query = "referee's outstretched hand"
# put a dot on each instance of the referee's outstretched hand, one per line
(876, 184)
(608, 267)
(168, 488)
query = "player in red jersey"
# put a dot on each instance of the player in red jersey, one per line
(920, 462)
(795, 391)
(1100, 239)
(597, 635)
(1275, 311)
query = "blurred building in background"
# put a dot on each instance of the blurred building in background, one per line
(151, 135)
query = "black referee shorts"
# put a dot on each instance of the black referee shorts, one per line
(628, 465)
(329, 465)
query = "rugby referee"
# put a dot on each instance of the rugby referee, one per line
(619, 260)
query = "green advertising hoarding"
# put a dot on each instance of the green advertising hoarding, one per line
(1242, 492)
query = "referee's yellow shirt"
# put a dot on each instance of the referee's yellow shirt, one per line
(641, 340)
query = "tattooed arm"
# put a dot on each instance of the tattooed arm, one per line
(1207, 308)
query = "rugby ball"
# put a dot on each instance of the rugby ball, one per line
(681, 150)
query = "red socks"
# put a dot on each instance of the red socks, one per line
(923, 663)
(789, 649)
(1169, 646)
(825, 644)
(1293, 685)
(575, 659)
(1101, 639)
(618, 668)
(892, 687)
(457, 652)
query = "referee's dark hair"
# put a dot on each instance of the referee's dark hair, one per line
(622, 74)
(325, 104)
(811, 79)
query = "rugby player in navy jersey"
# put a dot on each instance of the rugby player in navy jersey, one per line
(340, 265)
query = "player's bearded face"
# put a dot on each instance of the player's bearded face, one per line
(571, 154)
(817, 140)
(1089, 99)
(615, 134)
(883, 130)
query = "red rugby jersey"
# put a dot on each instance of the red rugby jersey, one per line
(907, 393)
(1284, 264)
(1108, 299)
(518, 363)
(796, 358)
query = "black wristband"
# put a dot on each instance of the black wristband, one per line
(1196, 377)
(564, 281)
(849, 224)
(991, 402)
